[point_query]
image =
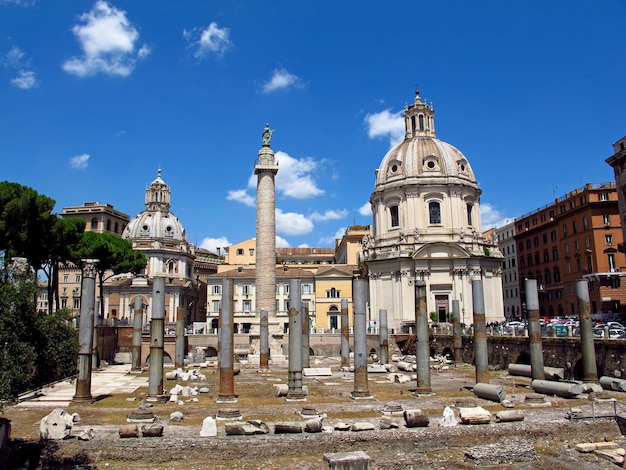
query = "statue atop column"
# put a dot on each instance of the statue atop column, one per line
(267, 135)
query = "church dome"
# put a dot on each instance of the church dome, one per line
(156, 222)
(422, 158)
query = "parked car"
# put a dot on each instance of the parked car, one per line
(614, 333)
(616, 325)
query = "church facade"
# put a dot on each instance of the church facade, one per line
(427, 231)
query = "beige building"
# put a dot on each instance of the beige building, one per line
(427, 231)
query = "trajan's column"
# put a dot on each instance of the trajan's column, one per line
(265, 278)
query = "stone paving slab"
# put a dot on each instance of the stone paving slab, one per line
(113, 379)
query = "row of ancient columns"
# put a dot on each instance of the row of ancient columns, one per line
(299, 340)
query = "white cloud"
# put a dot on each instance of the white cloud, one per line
(25, 80)
(292, 223)
(211, 40)
(295, 177)
(329, 215)
(282, 79)
(366, 209)
(386, 124)
(15, 58)
(491, 217)
(282, 243)
(212, 244)
(241, 195)
(108, 41)
(79, 162)
(331, 240)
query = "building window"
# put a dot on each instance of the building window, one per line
(578, 265)
(557, 275)
(286, 288)
(565, 230)
(286, 305)
(521, 246)
(576, 245)
(421, 121)
(566, 248)
(76, 303)
(245, 289)
(247, 306)
(555, 254)
(66, 278)
(216, 290)
(94, 224)
(607, 219)
(611, 259)
(587, 242)
(553, 235)
(589, 264)
(546, 256)
(251, 251)
(216, 306)
(239, 251)
(608, 239)
(536, 242)
(333, 293)
(108, 225)
(528, 244)
(543, 217)
(545, 238)
(306, 288)
(585, 223)
(604, 196)
(469, 214)
(395, 220)
(77, 279)
(574, 226)
(434, 212)
(63, 303)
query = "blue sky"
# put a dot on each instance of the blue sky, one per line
(95, 97)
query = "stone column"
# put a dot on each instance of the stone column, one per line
(534, 330)
(157, 333)
(265, 276)
(85, 332)
(383, 336)
(179, 361)
(590, 368)
(97, 321)
(345, 334)
(305, 337)
(226, 352)
(481, 352)
(264, 353)
(422, 340)
(457, 332)
(295, 342)
(359, 299)
(137, 328)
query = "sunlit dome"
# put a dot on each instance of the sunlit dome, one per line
(422, 158)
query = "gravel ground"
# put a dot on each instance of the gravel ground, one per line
(545, 439)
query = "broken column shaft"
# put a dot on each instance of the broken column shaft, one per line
(85, 332)
(359, 299)
(137, 327)
(264, 344)
(457, 332)
(295, 341)
(180, 352)
(226, 348)
(590, 368)
(306, 362)
(534, 329)
(345, 334)
(383, 336)
(481, 352)
(157, 333)
(422, 341)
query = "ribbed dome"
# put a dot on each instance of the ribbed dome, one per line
(156, 222)
(424, 157)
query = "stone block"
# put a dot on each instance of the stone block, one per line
(611, 455)
(357, 460)
(129, 430)
(152, 430)
(363, 426)
(317, 372)
(209, 427)
(415, 419)
(476, 415)
(57, 425)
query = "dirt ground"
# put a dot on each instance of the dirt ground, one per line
(544, 429)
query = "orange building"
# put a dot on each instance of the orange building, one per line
(576, 237)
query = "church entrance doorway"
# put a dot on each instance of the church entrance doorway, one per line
(441, 306)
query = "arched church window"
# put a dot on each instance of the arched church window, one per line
(108, 225)
(413, 125)
(469, 214)
(395, 220)
(116, 227)
(421, 121)
(434, 212)
(94, 224)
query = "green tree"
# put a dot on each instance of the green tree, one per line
(114, 254)
(25, 221)
(64, 235)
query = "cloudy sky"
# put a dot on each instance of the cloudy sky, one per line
(95, 97)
